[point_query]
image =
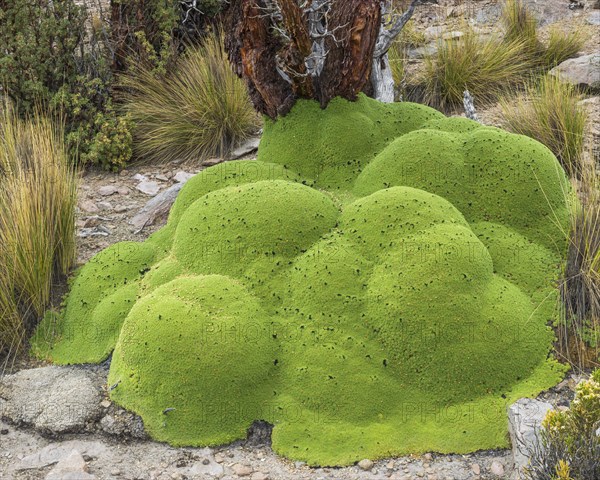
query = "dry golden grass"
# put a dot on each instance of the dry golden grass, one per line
(38, 194)
(201, 110)
(486, 67)
(579, 331)
(549, 111)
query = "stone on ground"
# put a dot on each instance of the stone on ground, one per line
(51, 399)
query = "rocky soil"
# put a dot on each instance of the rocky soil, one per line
(57, 422)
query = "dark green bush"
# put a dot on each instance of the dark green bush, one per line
(50, 57)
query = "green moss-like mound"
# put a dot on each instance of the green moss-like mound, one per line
(379, 282)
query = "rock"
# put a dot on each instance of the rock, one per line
(433, 33)
(123, 191)
(107, 190)
(72, 467)
(422, 52)
(105, 403)
(454, 35)
(161, 177)
(428, 457)
(259, 476)
(242, 470)
(55, 452)
(156, 208)
(182, 176)
(365, 464)
(89, 206)
(524, 421)
(208, 466)
(582, 71)
(51, 399)
(593, 18)
(496, 468)
(148, 187)
(249, 146)
(211, 162)
(139, 177)
(476, 469)
(123, 423)
(105, 205)
(121, 209)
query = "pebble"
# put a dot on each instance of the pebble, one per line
(182, 177)
(123, 191)
(259, 476)
(476, 468)
(497, 469)
(242, 470)
(105, 403)
(219, 458)
(107, 190)
(115, 472)
(390, 464)
(4, 431)
(89, 206)
(161, 177)
(105, 205)
(365, 464)
(121, 209)
(148, 187)
(428, 457)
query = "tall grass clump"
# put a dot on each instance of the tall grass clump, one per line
(484, 67)
(520, 25)
(562, 45)
(38, 190)
(549, 111)
(202, 109)
(579, 332)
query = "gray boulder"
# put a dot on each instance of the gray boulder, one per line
(524, 423)
(582, 71)
(51, 399)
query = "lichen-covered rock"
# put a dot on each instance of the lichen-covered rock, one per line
(379, 282)
(51, 399)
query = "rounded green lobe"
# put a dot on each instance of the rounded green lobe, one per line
(378, 283)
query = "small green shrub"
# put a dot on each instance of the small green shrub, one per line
(200, 110)
(484, 67)
(50, 57)
(37, 221)
(549, 111)
(570, 447)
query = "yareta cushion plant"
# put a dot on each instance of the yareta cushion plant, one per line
(378, 282)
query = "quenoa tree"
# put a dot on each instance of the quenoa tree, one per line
(317, 49)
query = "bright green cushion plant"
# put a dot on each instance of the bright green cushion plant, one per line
(379, 282)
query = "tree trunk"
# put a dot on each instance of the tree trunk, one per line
(285, 52)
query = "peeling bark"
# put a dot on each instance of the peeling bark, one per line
(278, 55)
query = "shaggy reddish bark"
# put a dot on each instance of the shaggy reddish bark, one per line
(299, 53)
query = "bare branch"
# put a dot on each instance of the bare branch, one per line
(387, 36)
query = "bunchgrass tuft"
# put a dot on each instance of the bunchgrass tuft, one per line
(520, 25)
(486, 67)
(562, 45)
(579, 332)
(548, 110)
(38, 194)
(200, 110)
